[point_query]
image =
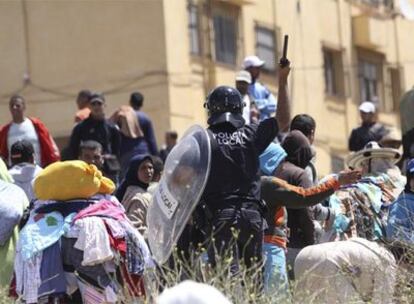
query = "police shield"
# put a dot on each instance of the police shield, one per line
(185, 175)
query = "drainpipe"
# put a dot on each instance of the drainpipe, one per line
(348, 81)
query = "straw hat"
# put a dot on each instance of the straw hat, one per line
(370, 151)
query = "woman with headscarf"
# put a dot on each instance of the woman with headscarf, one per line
(133, 192)
(292, 170)
(278, 194)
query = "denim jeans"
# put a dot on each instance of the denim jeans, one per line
(276, 282)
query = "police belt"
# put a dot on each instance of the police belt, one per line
(204, 213)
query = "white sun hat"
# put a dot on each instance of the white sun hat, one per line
(370, 151)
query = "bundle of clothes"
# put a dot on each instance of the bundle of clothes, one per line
(355, 263)
(362, 208)
(13, 202)
(76, 243)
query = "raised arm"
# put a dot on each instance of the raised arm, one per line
(283, 103)
(278, 192)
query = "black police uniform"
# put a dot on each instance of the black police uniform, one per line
(232, 193)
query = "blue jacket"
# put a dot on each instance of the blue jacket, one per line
(264, 99)
(400, 225)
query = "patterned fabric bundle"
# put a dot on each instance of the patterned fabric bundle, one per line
(362, 208)
(80, 245)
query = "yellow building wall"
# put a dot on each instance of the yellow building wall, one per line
(185, 90)
(311, 25)
(114, 47)
(121, 46)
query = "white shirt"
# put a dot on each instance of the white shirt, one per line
(24, 175)
(246, 109)
(27, 131)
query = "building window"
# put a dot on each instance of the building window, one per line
(370, 77)
(194, 28)
(379, 83)
(333, 72)
(393, 89)
(225, 37)
(377, 3)
(266, 47)
(371, 2)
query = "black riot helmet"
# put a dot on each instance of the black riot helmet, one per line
(225, 104)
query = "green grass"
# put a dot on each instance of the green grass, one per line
(242, 287)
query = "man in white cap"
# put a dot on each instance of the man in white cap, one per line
(243, 80)
(264, 99)
(370, 129)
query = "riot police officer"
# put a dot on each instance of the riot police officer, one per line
(232, 193)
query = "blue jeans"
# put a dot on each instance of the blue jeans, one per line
(276, 282)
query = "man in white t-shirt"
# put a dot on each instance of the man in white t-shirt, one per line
(243, 79)
(22, 128)
(30, 129)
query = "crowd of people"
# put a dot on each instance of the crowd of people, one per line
(73, 223)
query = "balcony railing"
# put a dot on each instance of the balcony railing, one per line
(377, 3)
(376, 7)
